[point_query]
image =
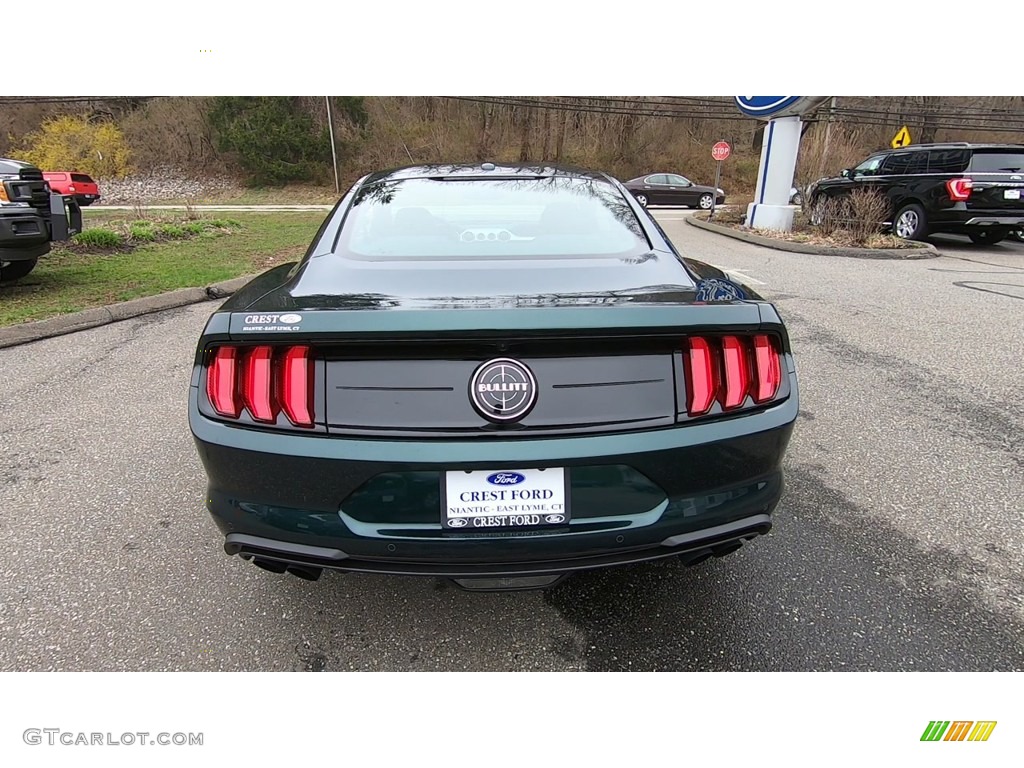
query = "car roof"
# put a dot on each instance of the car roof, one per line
(952, 145)
(484, 171)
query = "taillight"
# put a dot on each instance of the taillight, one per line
(729, 370)
(734, 357)
(256, 385)
(297, 386)
(265, 380)
(71, 187)
(769, 369)
(959, 189)
(701, 383)
(221, 382)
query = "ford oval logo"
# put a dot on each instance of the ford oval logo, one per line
(505, 478)
(290, 319)
(457, 522)
(555, 518)
(759, 106)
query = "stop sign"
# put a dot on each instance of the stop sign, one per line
(720, 151)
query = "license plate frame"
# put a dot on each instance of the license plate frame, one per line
(507, 500)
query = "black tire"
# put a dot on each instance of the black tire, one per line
(15, 270)
(706, 201)
(642, 199)
(988, 236)
(910, 223)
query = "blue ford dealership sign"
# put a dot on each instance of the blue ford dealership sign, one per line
(767, 107)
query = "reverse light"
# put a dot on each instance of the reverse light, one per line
(959, 189)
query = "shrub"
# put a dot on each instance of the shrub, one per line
(868, 209)
(142, 231)
(172, 231)
(75, 144)
(194, 227)
(98, 237)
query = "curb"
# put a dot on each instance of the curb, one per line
(92, 318)
(924, 251)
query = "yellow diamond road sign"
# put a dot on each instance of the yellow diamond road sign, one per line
(901, 139)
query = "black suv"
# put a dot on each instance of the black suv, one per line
(31, 217)
(969, 189)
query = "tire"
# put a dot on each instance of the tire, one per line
(705, 202)
(15, 270)
(642, 199)
(910, 223)
(1017, 234)
(988, 236)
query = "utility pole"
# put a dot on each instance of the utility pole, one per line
(334, 152)
(828, 137)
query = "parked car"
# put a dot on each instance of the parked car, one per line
(673, 189)
(81, 185)
(31, 217)
(494, 374)
(962, 188)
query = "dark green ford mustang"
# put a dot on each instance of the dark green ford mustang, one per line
(495, 374)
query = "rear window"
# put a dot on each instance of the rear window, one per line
(81, 177)
(998, 162)
(553, 217)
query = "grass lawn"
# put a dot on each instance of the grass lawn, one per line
(68, 281)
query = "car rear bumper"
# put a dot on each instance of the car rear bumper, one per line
(22, 228)
(994, 221)
(374, 505)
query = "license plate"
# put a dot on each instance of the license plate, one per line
(505, 498)
(1011, 194)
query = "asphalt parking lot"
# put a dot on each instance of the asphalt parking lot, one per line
(898, 544)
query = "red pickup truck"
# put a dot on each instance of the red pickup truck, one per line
(81, 185)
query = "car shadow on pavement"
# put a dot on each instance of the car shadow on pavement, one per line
(832, 588)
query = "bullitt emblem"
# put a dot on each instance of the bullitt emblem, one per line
(503, 390)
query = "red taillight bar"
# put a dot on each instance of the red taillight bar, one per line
(297, 386)
(734, 356)
(256, 385)
(748, 366)
(959, 189)
(769, 370)
(701, 381)
(265, 381)
(221, 382)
